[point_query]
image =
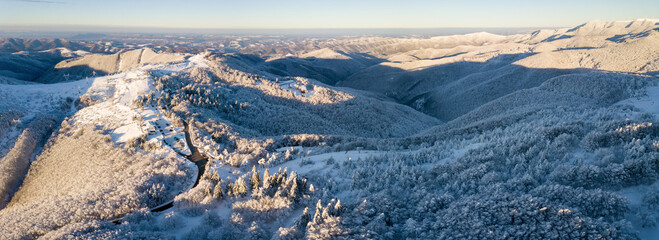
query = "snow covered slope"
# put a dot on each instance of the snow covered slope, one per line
(547, 135)
(449, 82)
(124, 114)
(108, 140)
(91, 65)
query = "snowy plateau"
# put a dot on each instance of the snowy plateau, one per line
(552, 134)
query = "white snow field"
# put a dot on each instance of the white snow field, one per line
(547, 135)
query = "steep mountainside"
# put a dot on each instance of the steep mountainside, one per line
(449, 82)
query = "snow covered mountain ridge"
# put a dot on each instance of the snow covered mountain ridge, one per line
(547, 135)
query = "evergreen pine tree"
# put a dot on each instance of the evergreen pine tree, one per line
(266, 179)
(217, 193)
(209, 191)
(317, 215)
(255, 180)
(338, 209)
(304, 219)
(239, 187)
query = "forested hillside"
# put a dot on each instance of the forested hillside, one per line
(547, 135)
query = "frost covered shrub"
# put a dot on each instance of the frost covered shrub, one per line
(86, 101)
(574, 128)
(256, 202)
(434, 203)
(265, 207)
(641, 171)
(623, 154)
(210, 228)
(211, 218)
(190, 203)
(140, 142)
(101, 230)
(172, 220)
(291, 233)
(587, 176)
(76, 229)
(219, 141)
(155, 195)
(307, 140)
(140, 219)
(648, 220)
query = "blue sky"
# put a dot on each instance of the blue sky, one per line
(264, 14)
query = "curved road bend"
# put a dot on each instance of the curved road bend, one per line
(196, 157)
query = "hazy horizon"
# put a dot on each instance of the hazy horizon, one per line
(74, 31)
(290, 14)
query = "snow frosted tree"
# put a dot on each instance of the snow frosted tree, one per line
(239, 187)
(266, 179)
(208, 190)
(325, 225)
(217, 192)
(255, 179)
(157, 194)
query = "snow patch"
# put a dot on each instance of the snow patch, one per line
(648, 103)
(126, 133)
(318, 163)
(295, 87)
